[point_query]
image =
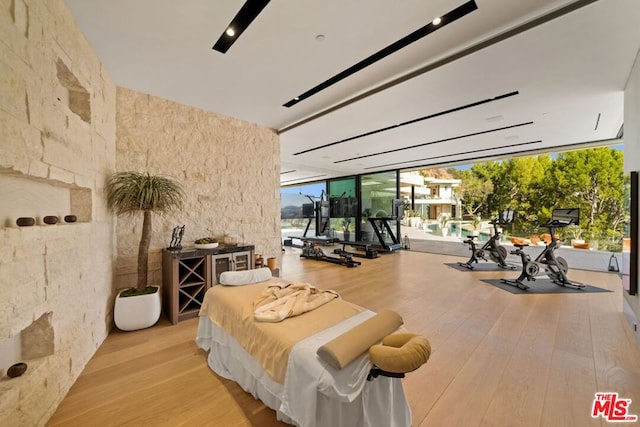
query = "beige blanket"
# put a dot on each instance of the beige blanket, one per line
(279, 302)
(231, 308)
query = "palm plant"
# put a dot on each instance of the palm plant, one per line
(131, 192)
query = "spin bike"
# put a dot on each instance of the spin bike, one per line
(497, 253)
(547, 262)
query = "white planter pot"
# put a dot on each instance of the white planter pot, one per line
(137, 312)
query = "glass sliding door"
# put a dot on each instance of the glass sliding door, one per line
(377, 192)
(298, 209)
(343, 207)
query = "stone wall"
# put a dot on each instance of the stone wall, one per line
(57, 131)
(230, 170)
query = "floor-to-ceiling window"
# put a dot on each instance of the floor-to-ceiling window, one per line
(377, 192)
(297, 208)
(343, 207)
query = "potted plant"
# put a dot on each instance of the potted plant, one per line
(444, 220)
(346, 222)
(425, 222)
(366, 229)
(475, 224)
(577, 240)
(128, 194)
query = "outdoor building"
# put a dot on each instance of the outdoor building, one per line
(430, 197)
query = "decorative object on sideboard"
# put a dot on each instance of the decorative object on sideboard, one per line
(16, 370)
(228, 240)
(258, 261)
(206, 243)
(25, 221)
(70, 218)
(50, 219)
(176, 238)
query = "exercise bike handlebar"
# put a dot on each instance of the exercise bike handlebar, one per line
(557, 223)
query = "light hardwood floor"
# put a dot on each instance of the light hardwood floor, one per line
(498, 359)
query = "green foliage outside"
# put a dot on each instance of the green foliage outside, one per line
(590, 179)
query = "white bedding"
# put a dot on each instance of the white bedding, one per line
(314, 393)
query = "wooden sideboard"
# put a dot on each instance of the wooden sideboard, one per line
(188, 273)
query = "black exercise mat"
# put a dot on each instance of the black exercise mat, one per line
(483, 266)
(544, 285)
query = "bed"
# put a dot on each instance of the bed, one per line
(278, 362)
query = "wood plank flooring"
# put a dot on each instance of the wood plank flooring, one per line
(498, 359)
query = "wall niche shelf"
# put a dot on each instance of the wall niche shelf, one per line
(48, 202)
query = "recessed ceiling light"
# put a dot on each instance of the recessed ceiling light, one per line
(320, 37)
(436, 21)
(405, 41)
(494, 119)
(245, 16)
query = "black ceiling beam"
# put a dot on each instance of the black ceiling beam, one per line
(521, 153)
(418, 34)
(240, 22)
(412, 121)
(444, 156)
(439, 141)
(565, 10)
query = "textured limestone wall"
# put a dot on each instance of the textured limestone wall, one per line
(57, 130)
(230, 170)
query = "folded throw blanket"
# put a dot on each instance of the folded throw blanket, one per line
(276, 303)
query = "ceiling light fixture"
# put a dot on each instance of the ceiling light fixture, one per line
(418, 34)
(245, 16)
(437, 21)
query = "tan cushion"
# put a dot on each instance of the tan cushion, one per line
(400, 353)
(345, 348)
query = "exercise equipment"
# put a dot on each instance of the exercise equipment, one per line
(369, 252)
(492, 247)
(315, 252)
(547, 262)
(317, 210)
(388, 241)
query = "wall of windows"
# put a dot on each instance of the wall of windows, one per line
(351, 201)
(344, 208)
(297, 208)
(377, 192)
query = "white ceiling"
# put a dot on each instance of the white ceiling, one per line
(568, 69)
